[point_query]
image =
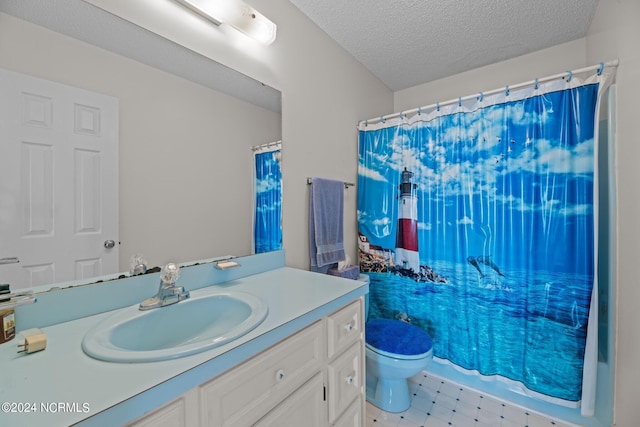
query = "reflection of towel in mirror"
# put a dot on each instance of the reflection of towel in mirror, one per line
(326, 208)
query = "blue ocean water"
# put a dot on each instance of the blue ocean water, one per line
(525, 326)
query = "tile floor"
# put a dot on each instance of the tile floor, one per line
(437, 402)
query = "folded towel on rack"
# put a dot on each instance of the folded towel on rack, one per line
(326, 211)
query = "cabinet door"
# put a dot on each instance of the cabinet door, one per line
(344, 327)
(305, 407)
(345, 380)
(353, 417)
(180, 412)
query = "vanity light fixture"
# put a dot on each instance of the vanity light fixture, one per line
(236, 13)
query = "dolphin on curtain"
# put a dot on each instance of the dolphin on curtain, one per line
(486, 260)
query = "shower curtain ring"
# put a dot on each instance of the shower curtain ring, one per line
(419, 111)
(601, 68)
(569, 75)
(536, 85)
(506, 90)
(437, 106)
(480, 96)
(459, 102)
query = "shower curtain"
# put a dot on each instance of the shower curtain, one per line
(267, 229)
(476, 223)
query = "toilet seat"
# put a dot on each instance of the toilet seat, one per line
(397, 339)
(399, 357)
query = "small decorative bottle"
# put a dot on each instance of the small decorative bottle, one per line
(7, 318)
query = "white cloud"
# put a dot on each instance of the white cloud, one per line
(381, 221)
(268, 207)
(266, 184)
(465, 221)
(371, 174)
(576, 210)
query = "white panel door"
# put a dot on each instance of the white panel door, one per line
(58, 182)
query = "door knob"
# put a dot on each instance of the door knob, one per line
(109, 244)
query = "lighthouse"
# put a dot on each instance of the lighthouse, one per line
(407, 255)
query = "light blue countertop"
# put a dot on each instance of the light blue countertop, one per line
(77, 389)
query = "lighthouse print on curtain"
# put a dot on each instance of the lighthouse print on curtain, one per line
(476, 223)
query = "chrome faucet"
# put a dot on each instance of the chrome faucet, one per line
(168, 293)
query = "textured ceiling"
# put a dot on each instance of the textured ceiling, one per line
(90, 24)
(410, 42)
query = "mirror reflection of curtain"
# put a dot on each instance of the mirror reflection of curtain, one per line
(494, 198)
(267, 229)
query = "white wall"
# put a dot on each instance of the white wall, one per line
(185, 160)
(615, 33)
(325, 92)
(547, 62)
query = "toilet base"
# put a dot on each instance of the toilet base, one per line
(390, 395)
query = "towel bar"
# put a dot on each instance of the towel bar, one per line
(346, 184)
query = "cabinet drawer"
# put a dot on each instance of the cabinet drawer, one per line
(345, 379)
(344, 327)
(245, 393)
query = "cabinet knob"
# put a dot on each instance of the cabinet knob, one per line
(349, 327)
(349, 379)
(280, 375)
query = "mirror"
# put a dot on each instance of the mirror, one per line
(186, 126)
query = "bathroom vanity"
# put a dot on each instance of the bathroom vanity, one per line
(303, 365)
(313, 378)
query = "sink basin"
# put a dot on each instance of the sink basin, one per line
(209, 319)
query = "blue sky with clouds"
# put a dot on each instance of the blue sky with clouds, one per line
(268, 208)
(512, 180)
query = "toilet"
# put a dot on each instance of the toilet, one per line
(395, 351)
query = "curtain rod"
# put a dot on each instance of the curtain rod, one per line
(567, 74)
(346, 184)
(266, 145)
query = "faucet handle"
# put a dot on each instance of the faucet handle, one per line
(182, 293)
(170, 273)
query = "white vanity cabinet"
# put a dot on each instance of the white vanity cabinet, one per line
(314, 377)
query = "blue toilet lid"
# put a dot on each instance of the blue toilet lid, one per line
(395, 336)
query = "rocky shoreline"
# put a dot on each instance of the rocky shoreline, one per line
(377, 264)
